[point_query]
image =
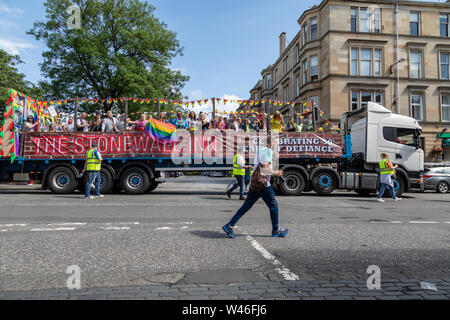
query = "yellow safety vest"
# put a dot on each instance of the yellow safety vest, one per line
(384, 167)
(93, 164)
(237, 171)
(276, 125)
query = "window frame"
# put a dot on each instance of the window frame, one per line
(418, 23)
(361, 62)
(311, 29)
(311, 75)
(422, 105)
(373, 61)
(447, 25)
(355, 17)
(444, 106)
(305, 72)
(421, 71)
(269, 81)
(440, 65)
(373, 96)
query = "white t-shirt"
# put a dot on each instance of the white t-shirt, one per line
(84, 123)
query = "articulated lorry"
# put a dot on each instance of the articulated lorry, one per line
(136, 164)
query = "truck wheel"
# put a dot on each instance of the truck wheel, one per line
(293, 183)
(153, 185)
(324, 183)
(442, 187)
(106, 182)
(399, 186)
(135, 181)
(62, 180)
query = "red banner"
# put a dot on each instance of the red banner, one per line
(199, 144)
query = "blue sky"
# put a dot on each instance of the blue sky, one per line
(226, 43)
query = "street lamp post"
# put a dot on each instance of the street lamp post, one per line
(398, 82)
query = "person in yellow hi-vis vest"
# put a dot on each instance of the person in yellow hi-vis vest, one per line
(92, 166)
(386, 172)
(239, 173)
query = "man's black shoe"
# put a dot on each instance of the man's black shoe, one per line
(229, 194)
(242, 198)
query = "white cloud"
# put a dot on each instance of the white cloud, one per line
(8, 24)
(14, 47)
(13, 12)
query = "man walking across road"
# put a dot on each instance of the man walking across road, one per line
(92, 166)
(386, 172)
(239, 173)
(264, 159)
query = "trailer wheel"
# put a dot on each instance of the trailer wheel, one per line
(293, 183)
(62, 180)
(106, 182)
(135, 181)
(324, 182)
(153, 185)
(399, 186)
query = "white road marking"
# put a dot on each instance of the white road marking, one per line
(115, 228)
(386, 221)
(285, 272)
(164, 228)
(56, 229)
(14, 225)
(428, 286)
(3, 230)
(68, 224)
(122, 223)
(426, 222)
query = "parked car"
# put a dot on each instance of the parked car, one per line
(437, 178)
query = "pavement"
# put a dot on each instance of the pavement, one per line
(169, 245)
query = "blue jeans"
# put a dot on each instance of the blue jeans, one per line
(94, 176)
(268, 195)
(383, 188)
(239, 183)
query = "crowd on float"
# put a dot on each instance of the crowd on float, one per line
(110, 123)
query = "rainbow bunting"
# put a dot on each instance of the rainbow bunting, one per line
(161, 132)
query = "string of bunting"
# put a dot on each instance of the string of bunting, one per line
(40, 105)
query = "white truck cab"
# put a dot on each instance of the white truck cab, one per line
(375, 129)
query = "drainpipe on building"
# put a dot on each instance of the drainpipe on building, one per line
(397, 59)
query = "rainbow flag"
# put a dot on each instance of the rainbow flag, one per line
(161, 131)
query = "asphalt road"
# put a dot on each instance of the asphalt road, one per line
(173, 236)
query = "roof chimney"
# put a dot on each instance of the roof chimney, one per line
(282, 42)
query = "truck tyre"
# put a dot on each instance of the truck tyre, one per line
(62, 180)
(399, 186)
(442, 187)
(324, 182)
(153, 185)
(293, 183)
(106, 182)
(135, 181)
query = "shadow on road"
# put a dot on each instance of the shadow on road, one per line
(209, 234)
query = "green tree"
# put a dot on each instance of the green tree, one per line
(10, 77)
(121, 50)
